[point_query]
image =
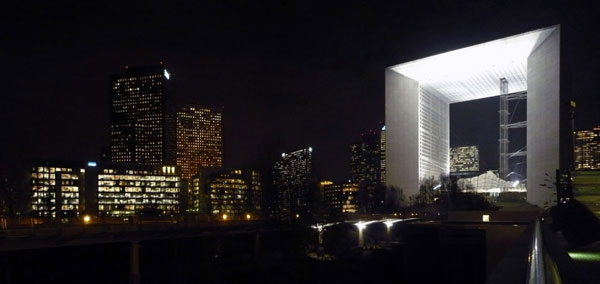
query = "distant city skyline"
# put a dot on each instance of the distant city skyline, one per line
(286, 76)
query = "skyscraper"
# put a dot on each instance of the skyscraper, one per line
(292, 176)
(142, 129)
(199, 139)
(587, 149)
(366, 165)
(366, 158)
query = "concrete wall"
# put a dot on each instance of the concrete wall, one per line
(402, 132)
(543, 113)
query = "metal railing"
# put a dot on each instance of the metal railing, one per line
(536, 272)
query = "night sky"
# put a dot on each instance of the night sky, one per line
(289, 74)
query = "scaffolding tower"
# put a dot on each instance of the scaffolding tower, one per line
(506, 124)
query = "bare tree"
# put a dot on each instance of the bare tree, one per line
(15, 192)
(425, 195)
(395, 198)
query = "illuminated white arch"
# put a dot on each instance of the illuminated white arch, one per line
(418, 95)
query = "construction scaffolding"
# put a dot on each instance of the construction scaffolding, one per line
(505, 120)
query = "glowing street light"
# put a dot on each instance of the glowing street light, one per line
(224, 217)
(87, 219)
(361, 226)
(248, 216)
(390, 222)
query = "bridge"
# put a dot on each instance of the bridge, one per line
(517, 250)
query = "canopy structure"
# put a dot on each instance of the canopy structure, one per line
(418, 95)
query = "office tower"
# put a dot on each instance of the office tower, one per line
(142, 129)
(68, 189)
(199, 139)
(587, 149)
(342, 198)
(366, 158)
(292, 176)
(366, 166)
(464, 159)
(228, 193)
(57, 189)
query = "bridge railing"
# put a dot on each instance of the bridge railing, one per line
(536, 272)
(36, 227)
(536, 258)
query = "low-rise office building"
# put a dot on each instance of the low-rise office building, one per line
(227, 193)
(66, 189)
(341, 198)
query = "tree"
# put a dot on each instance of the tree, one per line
(426, 194)
(15, 192)
(395, 199)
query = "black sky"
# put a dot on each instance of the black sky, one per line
(288, 73)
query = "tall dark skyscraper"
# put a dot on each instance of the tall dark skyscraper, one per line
(142, 126)
(367, 163)
(199, 139)
(366, 158)
(292, 176)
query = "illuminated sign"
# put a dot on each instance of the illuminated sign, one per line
(91, 164)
